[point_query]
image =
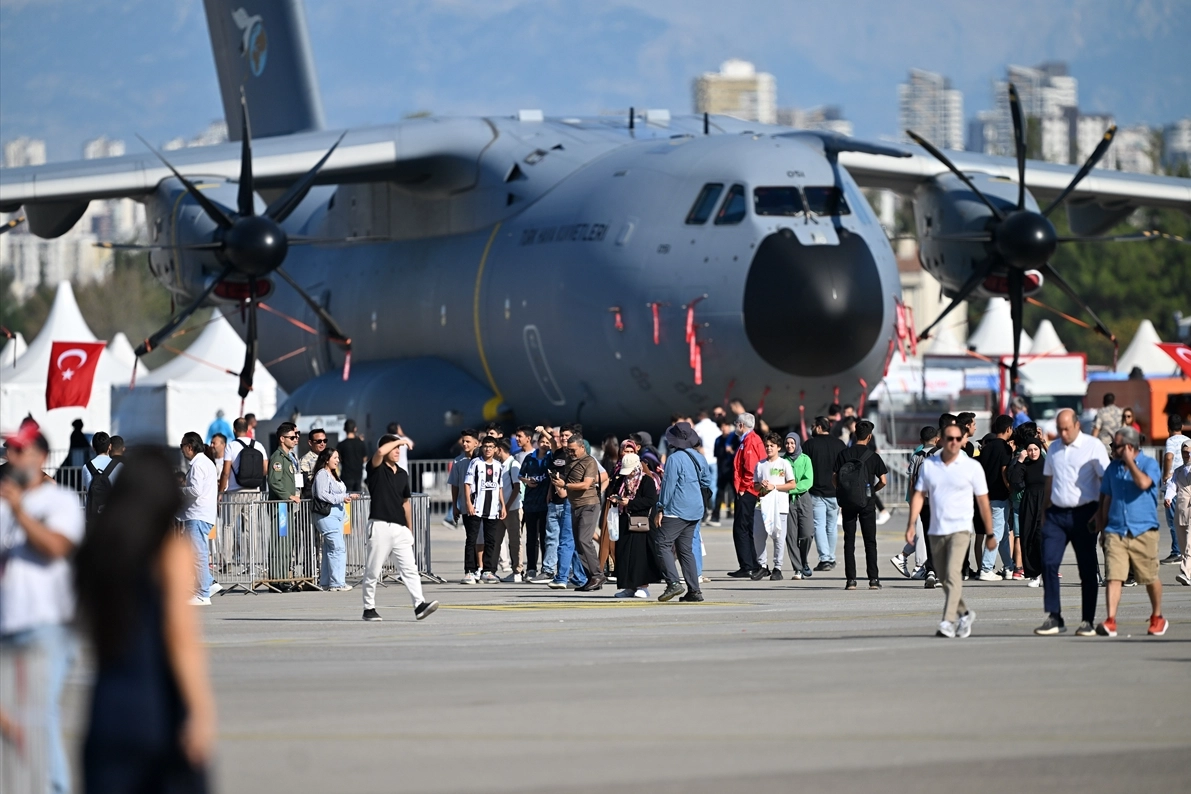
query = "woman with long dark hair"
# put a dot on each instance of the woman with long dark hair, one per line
(635, 493)
(330, 494)
(152, 721)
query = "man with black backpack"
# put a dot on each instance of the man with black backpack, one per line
(243, 475)
(99, 474)
(858, 475)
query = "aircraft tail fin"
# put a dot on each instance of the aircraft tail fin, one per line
(263, 47)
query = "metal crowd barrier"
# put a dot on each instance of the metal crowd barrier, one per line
(262, 544)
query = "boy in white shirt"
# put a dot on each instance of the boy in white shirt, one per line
(775, 479)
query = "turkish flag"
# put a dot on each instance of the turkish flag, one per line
(1181, 354)
(72, 371)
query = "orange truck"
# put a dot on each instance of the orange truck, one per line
(1152, 400)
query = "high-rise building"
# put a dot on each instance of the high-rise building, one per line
(1176, 144)
(928, 105)
(1135, 149)
(829, 118)
(983, 133)
(21, 152)
(103, 146)
(737, 89)
(1049, 97)
(1088, 131)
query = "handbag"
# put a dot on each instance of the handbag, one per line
(638, 523)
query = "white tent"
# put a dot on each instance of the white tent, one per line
(994, 335)
(184, 394)
(1144, 352)
(121, 350)
(945, 343)
(1047, 342)
(22, 388)
(14, 348)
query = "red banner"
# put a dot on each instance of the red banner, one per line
(1181, 354)
(72, 371)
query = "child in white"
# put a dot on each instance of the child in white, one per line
(775, 478)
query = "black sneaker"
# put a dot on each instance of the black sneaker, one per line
(692, 597)
(1086, 629)
(1051, 626)
(823, 566)
(776, 576)
(806, 572)
(1173, 559)
(372, 614)
(874, 584)
(1130, 582)
(931, 582)
(673, 590)
(851, 585)
(759, 574)
(741, 574)
(425, 609)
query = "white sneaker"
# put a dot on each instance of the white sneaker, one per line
(1006, 574)
(199, 601)
(946, 629)
(626, 593)
(1183, 580)
(1035, 582)
(902, 566)
(553, 585)
(883, 517)
(469, 578)
(706, 579)
(214, 588)
(642, 592)
(342, 589)
(489, 578)
(988, 576)
(714, 524)
(964, 629)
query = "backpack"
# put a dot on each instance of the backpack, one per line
(851, 493)
(100, 488)
(250, 456)
(916, 461)
(703, 489)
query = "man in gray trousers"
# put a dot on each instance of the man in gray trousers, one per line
(680, 509)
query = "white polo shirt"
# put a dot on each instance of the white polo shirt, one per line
(1076, 469)
(951, 488)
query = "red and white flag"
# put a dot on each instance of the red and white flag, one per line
(1181, 354)
(72, 371)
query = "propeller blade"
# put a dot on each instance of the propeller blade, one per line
(967, 289)
(963, 237)
(152, 342)
(244, 200)
(280, 209)
(1085, 169)
(211, 208)
(925, 144)
(1019, 140)
(333, 330)
(251, 344)
(1048, 270)
(1016, 286)
(1139, 237)
(12, 224)
(138, 247)
(300, 240)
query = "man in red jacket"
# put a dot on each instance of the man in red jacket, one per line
(751, 451)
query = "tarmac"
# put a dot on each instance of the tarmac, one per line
(783, 686)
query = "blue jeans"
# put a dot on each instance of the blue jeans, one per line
(1174, 533)
(334, 568)
(558, 526)
(570, 565)
(697, 545)
(57, 646)
(197, 531)
(826, 510)
(1000, 519)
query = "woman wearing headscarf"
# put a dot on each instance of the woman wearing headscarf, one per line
(1026, 478)
(635, 493)
(800, 521)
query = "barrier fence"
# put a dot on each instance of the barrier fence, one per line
(262, 544)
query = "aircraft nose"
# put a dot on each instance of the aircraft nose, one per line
(813, 310)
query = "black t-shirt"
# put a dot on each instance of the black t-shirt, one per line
(558, 466)
(389, 489)
(874, 467)
(994, 456)
(823, 450)
(351, 458)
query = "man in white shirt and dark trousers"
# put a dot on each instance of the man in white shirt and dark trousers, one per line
(1075, 464)
(388, 529)
(484, 509)
(1171, 459)
(952, 482)
(200, 496)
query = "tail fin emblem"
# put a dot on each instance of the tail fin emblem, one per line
(255, 42)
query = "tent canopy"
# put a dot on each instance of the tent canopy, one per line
(994, 335)
(1144, 352)
(1046, 341)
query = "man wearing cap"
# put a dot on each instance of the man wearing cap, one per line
(680, 509)
(1128, 517)
(749, 453)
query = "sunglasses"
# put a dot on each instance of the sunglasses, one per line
(293, 436)
(318, 441)
(953, 438)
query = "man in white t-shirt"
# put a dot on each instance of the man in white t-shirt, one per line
(40, 526)
(953, 483)
(775, 479)
(1172, 458)
(233, 529)
(510, 527)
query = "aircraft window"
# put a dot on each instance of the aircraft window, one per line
(704, 205)
(777, 201)
(827, 201)
(734, 207)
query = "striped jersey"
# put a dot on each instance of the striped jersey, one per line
(484, 479)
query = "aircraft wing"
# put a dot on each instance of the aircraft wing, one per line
(433, 155)
(1114, 190)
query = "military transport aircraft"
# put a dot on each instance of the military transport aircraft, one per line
(448, 271)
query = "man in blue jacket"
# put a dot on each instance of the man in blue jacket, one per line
(680, 509)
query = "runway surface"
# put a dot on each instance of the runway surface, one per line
(780, 685)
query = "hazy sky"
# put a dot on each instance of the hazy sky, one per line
(74, 69)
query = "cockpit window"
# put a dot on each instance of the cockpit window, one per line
(826, 200)
(705, 204)
(734, 207)
(777, 201)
